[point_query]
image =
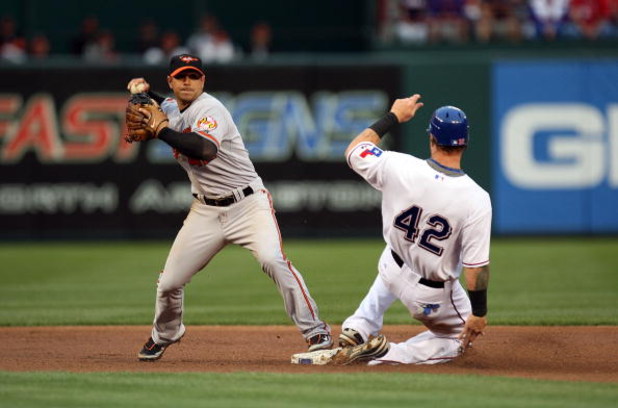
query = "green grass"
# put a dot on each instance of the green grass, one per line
(22, 390)
(533, 281)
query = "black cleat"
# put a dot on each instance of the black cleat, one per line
(320, 341)
(152, 351)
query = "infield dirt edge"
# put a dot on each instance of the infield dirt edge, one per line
(571, 353)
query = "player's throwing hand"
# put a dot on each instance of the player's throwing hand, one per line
(138, 85)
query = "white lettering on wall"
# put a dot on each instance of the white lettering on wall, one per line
(57, 198)
(288, 196)
(578, 153)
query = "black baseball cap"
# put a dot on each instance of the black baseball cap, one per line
(184, 62)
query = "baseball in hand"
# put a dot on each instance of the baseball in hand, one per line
(138, 88)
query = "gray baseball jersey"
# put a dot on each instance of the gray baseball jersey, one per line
(247, 218)
(232, 167)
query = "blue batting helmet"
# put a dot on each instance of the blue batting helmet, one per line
(449, 126)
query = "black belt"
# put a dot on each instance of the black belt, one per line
(422, 281)
(225, 201)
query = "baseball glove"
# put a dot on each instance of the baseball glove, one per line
(144, 118)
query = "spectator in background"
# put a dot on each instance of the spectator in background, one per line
(39, 47)
(589, 19)
(170, 45)
(8, 30)
(87, 36)
(412, 26)
(208, 25)
(148, 36)
(103, 49)
(12, 45)
(473, 10)
(447, 21)
(211, 42)
(501, 20)
(613, 19)
(220, 49)
(549, 17)
(261, 39)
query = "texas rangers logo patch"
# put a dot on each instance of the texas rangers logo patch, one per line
(374, 151)
(207, 123)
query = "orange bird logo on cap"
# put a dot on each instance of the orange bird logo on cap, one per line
(186, 59)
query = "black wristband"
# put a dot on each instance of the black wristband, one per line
(478, 299)
(384, 124)
(156, 97)
(166, 132)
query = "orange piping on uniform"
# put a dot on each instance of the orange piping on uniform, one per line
(209, 136)
(272, 208)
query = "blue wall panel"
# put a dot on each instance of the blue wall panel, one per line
(555, 146)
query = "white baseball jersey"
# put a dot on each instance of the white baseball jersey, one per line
(435, 218)
(232, 168)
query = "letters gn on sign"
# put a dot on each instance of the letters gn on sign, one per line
(555, 167)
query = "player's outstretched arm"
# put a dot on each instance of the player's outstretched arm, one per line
(477, 280)
(401, 111)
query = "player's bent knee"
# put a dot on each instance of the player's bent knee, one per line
(169, 286)
(271, 263)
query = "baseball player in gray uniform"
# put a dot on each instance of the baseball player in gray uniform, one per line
(231, 206)
(437, 225)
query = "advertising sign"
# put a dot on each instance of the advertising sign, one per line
(555, 147)
(65, 170)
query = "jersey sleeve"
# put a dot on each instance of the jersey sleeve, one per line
(211, 124)
(477, 235)
(369, 161)
(169, 106)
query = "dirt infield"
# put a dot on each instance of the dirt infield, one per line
(558, 353)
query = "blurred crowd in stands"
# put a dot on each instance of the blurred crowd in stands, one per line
(153, 44)
(399, 22)
(507, 21)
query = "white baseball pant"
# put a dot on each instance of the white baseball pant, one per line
(251, 223)
(442, 310)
